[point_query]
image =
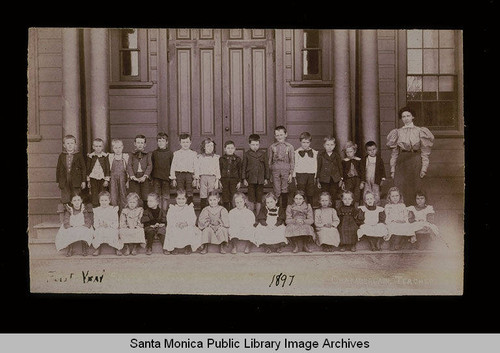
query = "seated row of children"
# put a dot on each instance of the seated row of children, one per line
(179, 229)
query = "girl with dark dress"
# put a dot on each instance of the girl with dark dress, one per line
(350, 220)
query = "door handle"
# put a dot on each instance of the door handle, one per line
(226, 128)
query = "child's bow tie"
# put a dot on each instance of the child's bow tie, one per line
(303, 153)
(273, 209)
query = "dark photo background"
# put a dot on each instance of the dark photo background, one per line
(169, 314)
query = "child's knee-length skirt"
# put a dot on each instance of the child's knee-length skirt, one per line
(178, 238)
(297, 230)
(107, 236)
(405, 229)
(270, 235)
(328, 236)
(378, 230)
(68, 236)
(243, 233)
(133, 236)
(210, 236)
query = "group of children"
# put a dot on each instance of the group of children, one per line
(121, 219)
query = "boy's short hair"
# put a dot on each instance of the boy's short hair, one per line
(104, 193)
(155, 196)
(184, 136)
(280, 127)
(305, 136)
(329, 138)
(116, 141)
(347, 192)
(370, 144)
(97, 139)
(162, 135)
(139, 137)
(228, 142)
(253, 137)
(350, 144)
(69, 137)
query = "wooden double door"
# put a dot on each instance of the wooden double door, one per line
(222, 85)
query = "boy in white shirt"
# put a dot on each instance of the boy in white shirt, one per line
(183, 167)
(306, 166)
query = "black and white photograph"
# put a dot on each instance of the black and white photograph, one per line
(246, 161)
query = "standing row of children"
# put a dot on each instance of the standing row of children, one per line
(185, 169)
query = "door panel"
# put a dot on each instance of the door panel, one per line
(248, 80)
(221, 85)
(195, 102)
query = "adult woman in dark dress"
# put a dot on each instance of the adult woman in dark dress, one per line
(411, 146)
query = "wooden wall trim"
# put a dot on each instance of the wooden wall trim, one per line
(33, 103)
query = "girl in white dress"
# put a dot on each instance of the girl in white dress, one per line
(373, 227)
(131, 228)
(241, 223)
(106, 225)
(77, 226)
(326, 221)
(214, 223)
(271, 228)
(421, 217)
(396, 219)
(181, 232)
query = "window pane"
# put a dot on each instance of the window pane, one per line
(431, 61)
(414, 38)
(430, 114)
(431, 38)
(311, 62)
(129, 38)
(448, 114)
(447, 61)
(447, 39)
(311, 39)
(447, 89)
(130, 63)
(430, 88)
(414, 61)
(413, 88)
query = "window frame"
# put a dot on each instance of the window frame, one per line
(319, 50)
(118, 80)
(402, 83)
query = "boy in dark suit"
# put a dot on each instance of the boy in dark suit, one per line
(372, 171)
(139, 169)
(255, 172)
(330, 170)
(70, 172)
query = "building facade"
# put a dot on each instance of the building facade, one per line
(229, 83)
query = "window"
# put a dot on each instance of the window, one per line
(432, 77)
(311, 55)
(129, 54)
(129, 58)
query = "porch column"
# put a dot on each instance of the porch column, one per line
(341, 88)
(71, 124)
(370, 124)
(99, 85)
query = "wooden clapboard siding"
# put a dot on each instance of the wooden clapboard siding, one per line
(43, 191)
(134, 111)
